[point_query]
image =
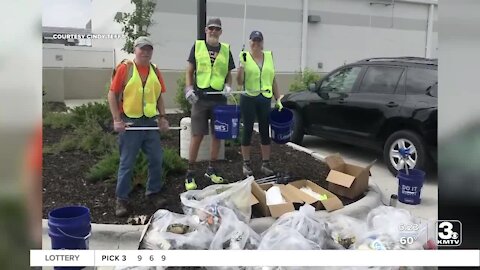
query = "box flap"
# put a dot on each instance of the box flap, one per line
(335, 162)
(332, 203)
(253, 200)
(340, 178)
(279, 209)
(292, 194)
(353, 170)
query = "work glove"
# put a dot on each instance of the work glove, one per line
(227, 90)
(190, 95)
(119, 126)
(279, 104)
(163, 124)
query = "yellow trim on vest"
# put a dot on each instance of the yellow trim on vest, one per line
(141, 101)
(259, 79)
(206, 74)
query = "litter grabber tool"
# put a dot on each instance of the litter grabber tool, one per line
(232, 92)
(279, 178)
(154, 128)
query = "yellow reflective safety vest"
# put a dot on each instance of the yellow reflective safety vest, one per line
(258, 79)
(208, 75)
(139, 100)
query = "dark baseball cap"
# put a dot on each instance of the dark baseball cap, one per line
(256, 35)
(214, 22)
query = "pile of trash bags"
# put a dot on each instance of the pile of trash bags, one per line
(217, 218)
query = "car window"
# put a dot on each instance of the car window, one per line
(381, 80)
(420, 80)
(341, 81)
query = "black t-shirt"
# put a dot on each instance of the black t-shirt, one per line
(213, 51)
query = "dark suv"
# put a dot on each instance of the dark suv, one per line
(387, 104)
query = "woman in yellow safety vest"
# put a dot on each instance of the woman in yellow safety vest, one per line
(257, 75)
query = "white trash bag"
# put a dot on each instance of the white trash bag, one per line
(281, 237)
(343, 231)
(204, 203)
(175, 231)
(234, 234)
(407, 230)
(304, 222)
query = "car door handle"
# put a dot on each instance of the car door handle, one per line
(342, 101)
(392, 104)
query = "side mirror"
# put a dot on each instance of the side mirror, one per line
(312, 87)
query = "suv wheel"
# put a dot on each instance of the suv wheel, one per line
(408, 143)
(297, 134)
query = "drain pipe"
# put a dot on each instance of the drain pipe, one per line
(303, 61)
(428, 46)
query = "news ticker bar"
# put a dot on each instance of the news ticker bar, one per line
(254, 258)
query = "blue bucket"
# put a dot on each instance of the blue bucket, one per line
(410, 186)
(69, 228)
(281, 123)
(227, 122)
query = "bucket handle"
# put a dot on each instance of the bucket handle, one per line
(75, 237)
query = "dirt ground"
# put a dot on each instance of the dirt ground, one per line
(64, 181)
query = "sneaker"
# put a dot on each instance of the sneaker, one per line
(247, 171)
(121, 208)
(190, 181)
(157, 199)
(265, 169)
(212, 174)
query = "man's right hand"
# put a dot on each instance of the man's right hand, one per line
(190, 95)
(119, 126)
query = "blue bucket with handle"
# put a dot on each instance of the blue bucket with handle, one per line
(227, 122)
(410, 185)
(281, 123)
(69, 228)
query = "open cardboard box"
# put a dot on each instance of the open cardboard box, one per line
(293, 201)
(332, 202)
(346, 179)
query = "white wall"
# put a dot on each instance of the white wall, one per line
(76, 57)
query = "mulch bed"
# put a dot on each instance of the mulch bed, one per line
(64, 181)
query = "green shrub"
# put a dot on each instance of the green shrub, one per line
(303, 80)
(98, 111)
(180, 99)
(106, 169)
(57, 120)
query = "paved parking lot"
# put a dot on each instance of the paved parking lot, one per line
(387, 183)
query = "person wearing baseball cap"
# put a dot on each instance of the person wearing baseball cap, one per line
(135, 99)
(257, 76)
(208, 70)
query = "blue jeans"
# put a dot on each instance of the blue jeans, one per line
(130, 143)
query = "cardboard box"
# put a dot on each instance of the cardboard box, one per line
(332, 202)
(278, 209)
(346, 179)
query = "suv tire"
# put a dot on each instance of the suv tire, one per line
(298, 131)
(408, 139)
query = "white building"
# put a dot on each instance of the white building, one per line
(318, 34)
(345, 31)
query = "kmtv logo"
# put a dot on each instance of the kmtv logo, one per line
(220, 126)
(449, 233)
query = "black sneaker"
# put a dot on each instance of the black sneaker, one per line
(190, 181)
(214, 177)
(266, 169)
(247, 171)
(121, 208)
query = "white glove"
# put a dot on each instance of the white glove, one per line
(227, 90)
(190, 95)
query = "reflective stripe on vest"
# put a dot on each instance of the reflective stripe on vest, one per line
(259, 79)
(141, 101)
(206, 74)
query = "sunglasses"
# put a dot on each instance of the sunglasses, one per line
(211, 28)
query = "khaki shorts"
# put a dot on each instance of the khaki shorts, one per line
(202, 111)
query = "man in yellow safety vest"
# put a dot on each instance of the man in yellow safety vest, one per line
(211, 62)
